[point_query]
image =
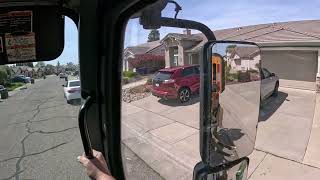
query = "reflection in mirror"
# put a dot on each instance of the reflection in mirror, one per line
(237, 170)
(235, 99)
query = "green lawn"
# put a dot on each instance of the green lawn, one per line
(12, 86)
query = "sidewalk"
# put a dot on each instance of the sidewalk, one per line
(166, 137)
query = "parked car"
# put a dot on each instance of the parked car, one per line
(63, 75)
(269, 84)
(72, 91)
(20, 78)
(2, 88)
(176, 83)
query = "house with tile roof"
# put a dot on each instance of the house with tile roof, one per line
(289, 49)
(153, 48)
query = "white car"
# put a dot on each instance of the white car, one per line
(72, 91)
(269, 84)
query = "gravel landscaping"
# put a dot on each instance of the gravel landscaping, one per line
(135, 93)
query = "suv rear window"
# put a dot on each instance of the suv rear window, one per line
(163, 75)
(188, 72)
(74, 83)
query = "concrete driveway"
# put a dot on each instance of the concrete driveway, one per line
(285, 123)
(165, 134)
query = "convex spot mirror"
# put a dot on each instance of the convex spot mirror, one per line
(30, 33)
(230, 99)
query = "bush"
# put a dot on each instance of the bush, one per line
(149, 81)
(129, 74)
(3, 75)
(125, 80)
(154, 62)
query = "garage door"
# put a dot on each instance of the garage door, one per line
(295, 69)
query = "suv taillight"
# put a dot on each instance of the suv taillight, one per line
(167, 81)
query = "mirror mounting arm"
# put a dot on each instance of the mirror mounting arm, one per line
(151, 18)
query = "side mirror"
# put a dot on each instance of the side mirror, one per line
(272, 74)
(230, 99)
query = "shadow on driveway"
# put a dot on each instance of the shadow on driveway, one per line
(270, 105)
(174, 102)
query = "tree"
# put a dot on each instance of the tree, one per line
(3, 75)
(230, 48)
(49, 69)
(70, 67)
(154, 35)
(30, 64)
(40, 64)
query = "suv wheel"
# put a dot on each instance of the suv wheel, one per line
(184, 95)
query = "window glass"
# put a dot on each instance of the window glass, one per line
(159, 119)
(39, 132)
(160, 131)
(266, 73)
(197, 69)
(163, 75)
(74, 83)
(187, 72)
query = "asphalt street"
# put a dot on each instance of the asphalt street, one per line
(39, 137)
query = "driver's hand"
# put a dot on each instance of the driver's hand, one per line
(96, 168)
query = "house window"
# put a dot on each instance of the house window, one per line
(175, 57)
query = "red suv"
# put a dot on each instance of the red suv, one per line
(177, 82)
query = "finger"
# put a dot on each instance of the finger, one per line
(83, 160)
(97, 154)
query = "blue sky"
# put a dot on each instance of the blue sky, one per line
(215, 14)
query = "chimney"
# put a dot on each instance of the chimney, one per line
(187, 31)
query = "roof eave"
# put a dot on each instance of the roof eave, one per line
(289, 44)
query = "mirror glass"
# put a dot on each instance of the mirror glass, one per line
(235, 99)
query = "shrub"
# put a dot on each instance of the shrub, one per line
(149, 81)
(147, 60)
(129, 74)
(125, 80)
(3, 75)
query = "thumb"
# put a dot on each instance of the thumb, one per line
(83, 160)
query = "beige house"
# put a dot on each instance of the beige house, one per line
(289, 49)
(177, 46)
(243, 59)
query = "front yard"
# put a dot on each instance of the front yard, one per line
(13, 86)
